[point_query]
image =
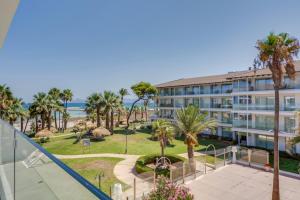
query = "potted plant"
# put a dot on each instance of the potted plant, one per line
(267, 167)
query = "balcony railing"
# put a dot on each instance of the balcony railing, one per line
(27, 171)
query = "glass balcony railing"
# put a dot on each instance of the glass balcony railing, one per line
(226, 121)
(166, 105)
(242, 124)
(27, 171)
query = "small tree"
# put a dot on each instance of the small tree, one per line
(190, 122)
(163, 130)
(143, 91)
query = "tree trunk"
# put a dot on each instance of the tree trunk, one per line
(130, 112)
(36, 124)
(142, 114)
(98, 117)
(55, 120)
(107, 120)
(22, 124)
(43, 120)
(135, 113)
(190, 150)
(275, 193)
(146, 113)
(119, 117)
(49, 120)
(112, 122)
(27, 120)
(162, 148)
(59, 121)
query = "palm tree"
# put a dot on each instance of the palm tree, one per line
(66, 96)
(95, 103)
(163, 130)
(277, 52)
(5, 99)
(55, 94)
(122, 92)
(39, 107)
(14, 110)
(190, 122)
(110, 102)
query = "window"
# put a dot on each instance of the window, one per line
(266, 142)
(227, 133)
(196, 102)
(226, 117)
(264, 84)
(196, 90)
(204, 102)
(189, 91)
(205, 89)
(179, 91)
(179, 103)
(263, 122)
(226, 88)
(289, 103)
(216, 89)
(216, 102)
(215, 115)
(188, 101)
(227, 102)
(289, 124)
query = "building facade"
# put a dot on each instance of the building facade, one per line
(242, 103)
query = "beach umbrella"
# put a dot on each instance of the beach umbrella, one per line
(100, 132)
(43, 133)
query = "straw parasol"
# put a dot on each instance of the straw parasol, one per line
(43, 133)
(100, 132)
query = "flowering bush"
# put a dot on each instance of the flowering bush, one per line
(166, 190)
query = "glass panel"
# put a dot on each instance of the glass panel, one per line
(226, 118)
(227, 133)
(227, 102)
(196, 102)
(189, 91)
(216, 89)
(37, 173)
(179, 91)
(289, 103)
(196, 90)
(289, 124)
(264, 122)
(291, 84)
(242, 85)
(204, 103)
(179, 103)
(264, 84)
(226, 88)
(235, 86)
(188, 101)
(216, 102)
(205, 89)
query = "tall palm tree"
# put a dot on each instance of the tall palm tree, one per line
(66, 96)
(163, 130)
(110, 102)
(190, 122)
(55, 94)
(5, 99)
(39, 107)
(14, 110)
(95, 103)
(122, 92)
(277, 52)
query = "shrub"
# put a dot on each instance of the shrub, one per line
(142, 162)
(166, 190)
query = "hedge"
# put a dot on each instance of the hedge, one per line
(142, 162)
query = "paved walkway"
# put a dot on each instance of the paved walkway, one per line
(243, 183)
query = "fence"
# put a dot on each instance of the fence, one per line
(252, 156)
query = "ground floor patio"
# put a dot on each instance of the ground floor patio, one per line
(236, 182)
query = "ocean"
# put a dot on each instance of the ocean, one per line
(77, 109)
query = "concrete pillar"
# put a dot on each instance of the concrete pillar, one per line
(219, 131)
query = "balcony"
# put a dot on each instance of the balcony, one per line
(27, 171)
(166, 105)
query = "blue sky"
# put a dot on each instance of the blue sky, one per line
(93, 45)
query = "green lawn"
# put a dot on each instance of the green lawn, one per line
(287, 164)
(139, 143)
(90, 167)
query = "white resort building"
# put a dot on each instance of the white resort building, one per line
(242, 102)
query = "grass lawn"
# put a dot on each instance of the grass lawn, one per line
(139, 143)
(287, 164)
(90, 167)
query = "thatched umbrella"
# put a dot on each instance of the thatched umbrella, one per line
(100, 132)
(43, 133)
(90, 125)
